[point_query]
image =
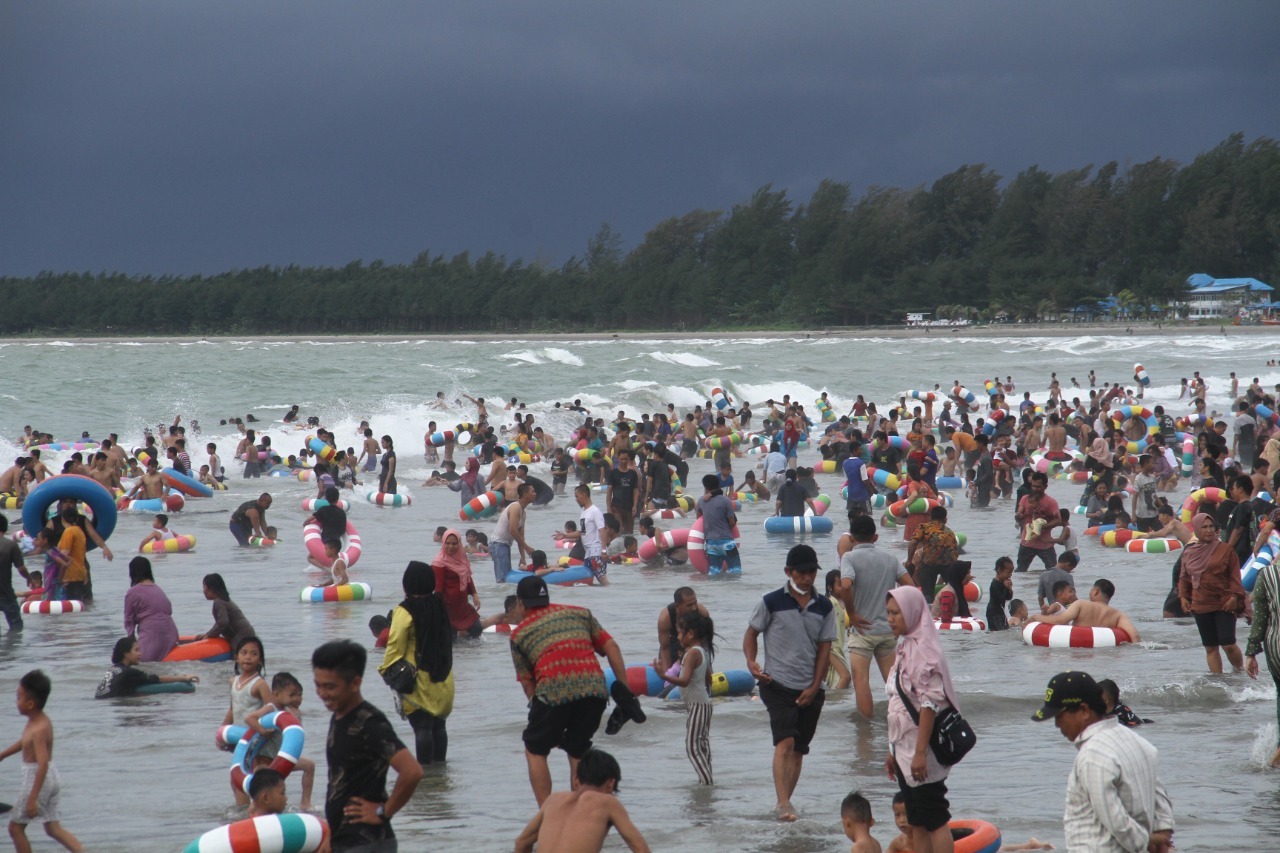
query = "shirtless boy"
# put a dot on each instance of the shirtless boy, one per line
(578, 821)
(40, 783)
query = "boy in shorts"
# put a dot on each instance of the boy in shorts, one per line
(41, 789)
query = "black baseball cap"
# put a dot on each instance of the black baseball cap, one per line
(532, 592)
(1066, 692)
(802, 558)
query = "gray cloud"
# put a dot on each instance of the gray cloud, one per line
(195, 137)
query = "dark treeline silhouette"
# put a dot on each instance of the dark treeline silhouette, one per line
(969, 245)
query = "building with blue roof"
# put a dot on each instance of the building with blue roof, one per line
(1210, 298)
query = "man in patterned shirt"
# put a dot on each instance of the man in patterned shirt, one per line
(554, 648)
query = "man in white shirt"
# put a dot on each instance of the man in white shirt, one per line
(775, 467)
(1116, 802)
(590, 523)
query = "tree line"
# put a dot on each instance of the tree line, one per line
(968, 245)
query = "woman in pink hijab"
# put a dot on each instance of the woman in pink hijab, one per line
(921, 673)
(454, 584)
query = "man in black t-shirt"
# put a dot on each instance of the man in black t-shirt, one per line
(362, 745)
(624, 491)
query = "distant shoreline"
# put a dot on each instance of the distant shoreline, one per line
(1018, 330)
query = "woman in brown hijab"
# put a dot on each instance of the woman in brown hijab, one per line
(1210, 590)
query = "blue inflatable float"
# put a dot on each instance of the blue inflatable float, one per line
(54, 489)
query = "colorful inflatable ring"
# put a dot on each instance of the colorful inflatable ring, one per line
(827, 466)
(323, 451)
(1163, 545)
(1266, 556)
(724, 442)
(354, 591)
(175, 545)
(173, 502)
(917, 506)
(993, 421)
(721, 398)
(731, 682)
(821, 504)
(292, 739)
(63, 446)
(389, 499)
(964, 395)
(798, 524)
(960, 623)
(444, 436)
(189, 486)
(273, 833)
(315, 546)
(1072, 636)
(313, 504)
(261, 542)
(208, 650)
(481, 506)
(1192, 505)
(697, 546)
(884, 479)
(1140, 375)
(667, 514)
(664, 541)
(1120, 538)
(975, 836)
(922, 396)
(52, 608)
(54, 489)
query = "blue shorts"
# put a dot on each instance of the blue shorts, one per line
(723, 554)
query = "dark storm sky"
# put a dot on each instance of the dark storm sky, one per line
(181, 136)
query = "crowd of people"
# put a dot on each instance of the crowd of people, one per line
(875, 607)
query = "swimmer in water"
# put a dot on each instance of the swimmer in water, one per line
(577, 821)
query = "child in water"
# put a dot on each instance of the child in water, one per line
(267, 794)
(580, 819)
(1115, 708)
(477, 543)
(1017, 613)
(697, 638)
(249, 692)
(902, 843)
(286, 695)
(855, 816)
(41, 788)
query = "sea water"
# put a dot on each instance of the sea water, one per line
(143, 774)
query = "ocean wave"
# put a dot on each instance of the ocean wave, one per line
(544, 355)
(687, 359)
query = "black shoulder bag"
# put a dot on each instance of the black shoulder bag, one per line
(402, 676)
(952, 737)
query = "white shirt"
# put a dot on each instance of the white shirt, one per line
(1115, 800)
(591, 522)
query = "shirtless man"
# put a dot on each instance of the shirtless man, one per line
(1055, 436)
(684, 601)
(688, 436)
(151, 485)
(1091, 614)
(12, 476)
(117, 458)
(369, 451)
(102, 471)
(1171, 527)
(482, 414)
(38, 470)
(578, 821)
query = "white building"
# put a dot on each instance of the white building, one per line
(1210, 298)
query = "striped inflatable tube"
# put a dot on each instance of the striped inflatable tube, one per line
(1071, 636)
(355, 591)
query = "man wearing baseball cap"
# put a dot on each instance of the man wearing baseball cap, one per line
(1116, 802)
(799, 626)
(554, 648)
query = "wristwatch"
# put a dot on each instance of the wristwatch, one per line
(380, 811)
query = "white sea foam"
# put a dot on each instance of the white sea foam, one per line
(542, 356)
(687, 359)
